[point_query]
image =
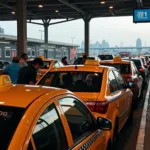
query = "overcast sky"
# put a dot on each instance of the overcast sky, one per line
(113, 30)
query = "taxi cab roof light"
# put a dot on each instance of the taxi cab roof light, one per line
(99, 107)
(92, 62)
(5, 81)
(117, 59)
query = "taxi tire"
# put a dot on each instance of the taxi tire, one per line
(130, 119)
(109, 146)
(115, 135)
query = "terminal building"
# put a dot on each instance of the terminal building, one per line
(36, 47)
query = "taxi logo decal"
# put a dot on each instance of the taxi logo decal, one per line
(90, 141)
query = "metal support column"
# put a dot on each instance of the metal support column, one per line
(46, 25)
(21, 27)
(86, 34)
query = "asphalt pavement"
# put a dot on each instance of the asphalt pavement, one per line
(129, 134)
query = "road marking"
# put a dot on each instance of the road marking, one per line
(141, 135)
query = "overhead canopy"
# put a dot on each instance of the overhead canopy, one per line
(71, 9)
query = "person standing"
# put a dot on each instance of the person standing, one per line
(64, 60)
(23, 60)
(27, 75)
(13, 70)
(84, 59)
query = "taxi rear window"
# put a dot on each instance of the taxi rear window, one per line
(75, 81)
(46, 64)
(105, 57)
(9, 120)
(122, 68)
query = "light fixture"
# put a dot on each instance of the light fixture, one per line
(56, 11)
(40, 6)
(13, 12)
(111, 7)
(102, 2)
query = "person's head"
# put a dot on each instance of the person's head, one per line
(84, 56)
(15, 60)
(65, 58)
(37, 63)
(24, 56)
(62, 59)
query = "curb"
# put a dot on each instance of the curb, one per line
(141, 135)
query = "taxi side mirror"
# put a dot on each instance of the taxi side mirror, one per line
(104, 124)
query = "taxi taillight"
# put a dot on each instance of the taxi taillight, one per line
(141, 69)
(99, 107)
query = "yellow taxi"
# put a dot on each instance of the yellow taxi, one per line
(130, 73)
(102, 89)
(47, 65)
(44, 118)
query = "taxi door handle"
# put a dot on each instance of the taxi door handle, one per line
(117, 104)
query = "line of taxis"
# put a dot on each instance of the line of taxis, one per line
(48, 116)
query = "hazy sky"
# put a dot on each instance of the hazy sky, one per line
(113, 30)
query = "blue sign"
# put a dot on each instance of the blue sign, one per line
(141, 15)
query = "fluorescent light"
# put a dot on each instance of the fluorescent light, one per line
(56, 11)
(102, 2)
(111, 7)
(40, 6)
(3, 42)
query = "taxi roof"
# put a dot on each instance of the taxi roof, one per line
(43, 60)
(115, 62)
(24, 95)
(88, 68)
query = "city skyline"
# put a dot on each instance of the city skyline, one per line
(115, 31)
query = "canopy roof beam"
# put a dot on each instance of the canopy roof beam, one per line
(72, 6)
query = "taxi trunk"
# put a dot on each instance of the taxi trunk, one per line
(94, 102)
(133, 87)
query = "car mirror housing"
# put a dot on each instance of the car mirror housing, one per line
(104, 124)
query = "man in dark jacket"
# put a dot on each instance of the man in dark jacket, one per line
(27, 75)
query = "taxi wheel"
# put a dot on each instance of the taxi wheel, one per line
(130, 119)
(109, 146)
(115, 136)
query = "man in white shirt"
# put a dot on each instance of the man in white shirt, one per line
(23, 60)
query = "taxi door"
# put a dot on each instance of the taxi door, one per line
(123, 99)
(137, 79)
(82, 125)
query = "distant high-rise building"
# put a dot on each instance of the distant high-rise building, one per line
(82, 44)
(1, 30)
(138, 43)
(105, 44)
(97, 45)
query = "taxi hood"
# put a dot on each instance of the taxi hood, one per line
(22, 95)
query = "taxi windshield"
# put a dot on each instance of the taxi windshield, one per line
(9, 120)
(105, 57)
(122, 68)
(75, 81)
(46, 64)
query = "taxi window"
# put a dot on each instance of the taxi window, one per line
(137, 62)
(112, 82)
(106, 57)
(49, 133)
(122, 68)
(78, 117)
(46, 64)
(9, 120)
(75, 81)
(120, 80)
